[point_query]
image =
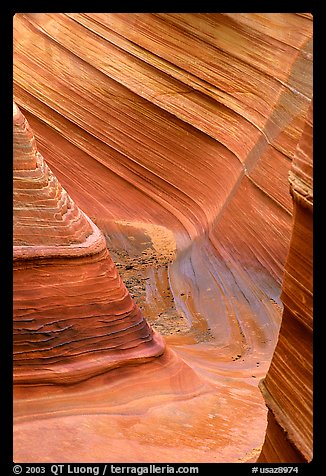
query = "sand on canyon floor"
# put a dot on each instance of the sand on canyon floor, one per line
(142, 255)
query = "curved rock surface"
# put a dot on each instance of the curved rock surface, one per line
(74, 324)
(288, 386)
(73, 316)
(146, 137)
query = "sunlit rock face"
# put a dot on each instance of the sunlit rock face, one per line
(288, 386)
(160, 125)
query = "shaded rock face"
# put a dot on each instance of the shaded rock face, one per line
(287, 388)
(175, 134)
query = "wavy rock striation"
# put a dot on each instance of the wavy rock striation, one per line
(73, 316)
(188, 123)
(79, 340)
(287, 388)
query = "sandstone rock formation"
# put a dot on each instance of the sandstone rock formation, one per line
(186, 123)
(287, 388)
(73, 317)
(74, 323)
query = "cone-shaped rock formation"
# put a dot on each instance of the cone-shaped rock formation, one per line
(73, 316)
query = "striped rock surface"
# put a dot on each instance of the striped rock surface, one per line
(288, 386)
(73, 316)
(187, 124)
(81, 342)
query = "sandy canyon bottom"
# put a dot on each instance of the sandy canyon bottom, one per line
(198, 402)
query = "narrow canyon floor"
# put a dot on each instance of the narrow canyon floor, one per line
(146, 257)
(142, 255)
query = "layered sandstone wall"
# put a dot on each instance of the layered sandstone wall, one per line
(81, 345)
(193, 121)
(288, 386)
(73, 316)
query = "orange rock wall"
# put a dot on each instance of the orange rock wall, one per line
(80, 345)
(73, 316)
(288, 386)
